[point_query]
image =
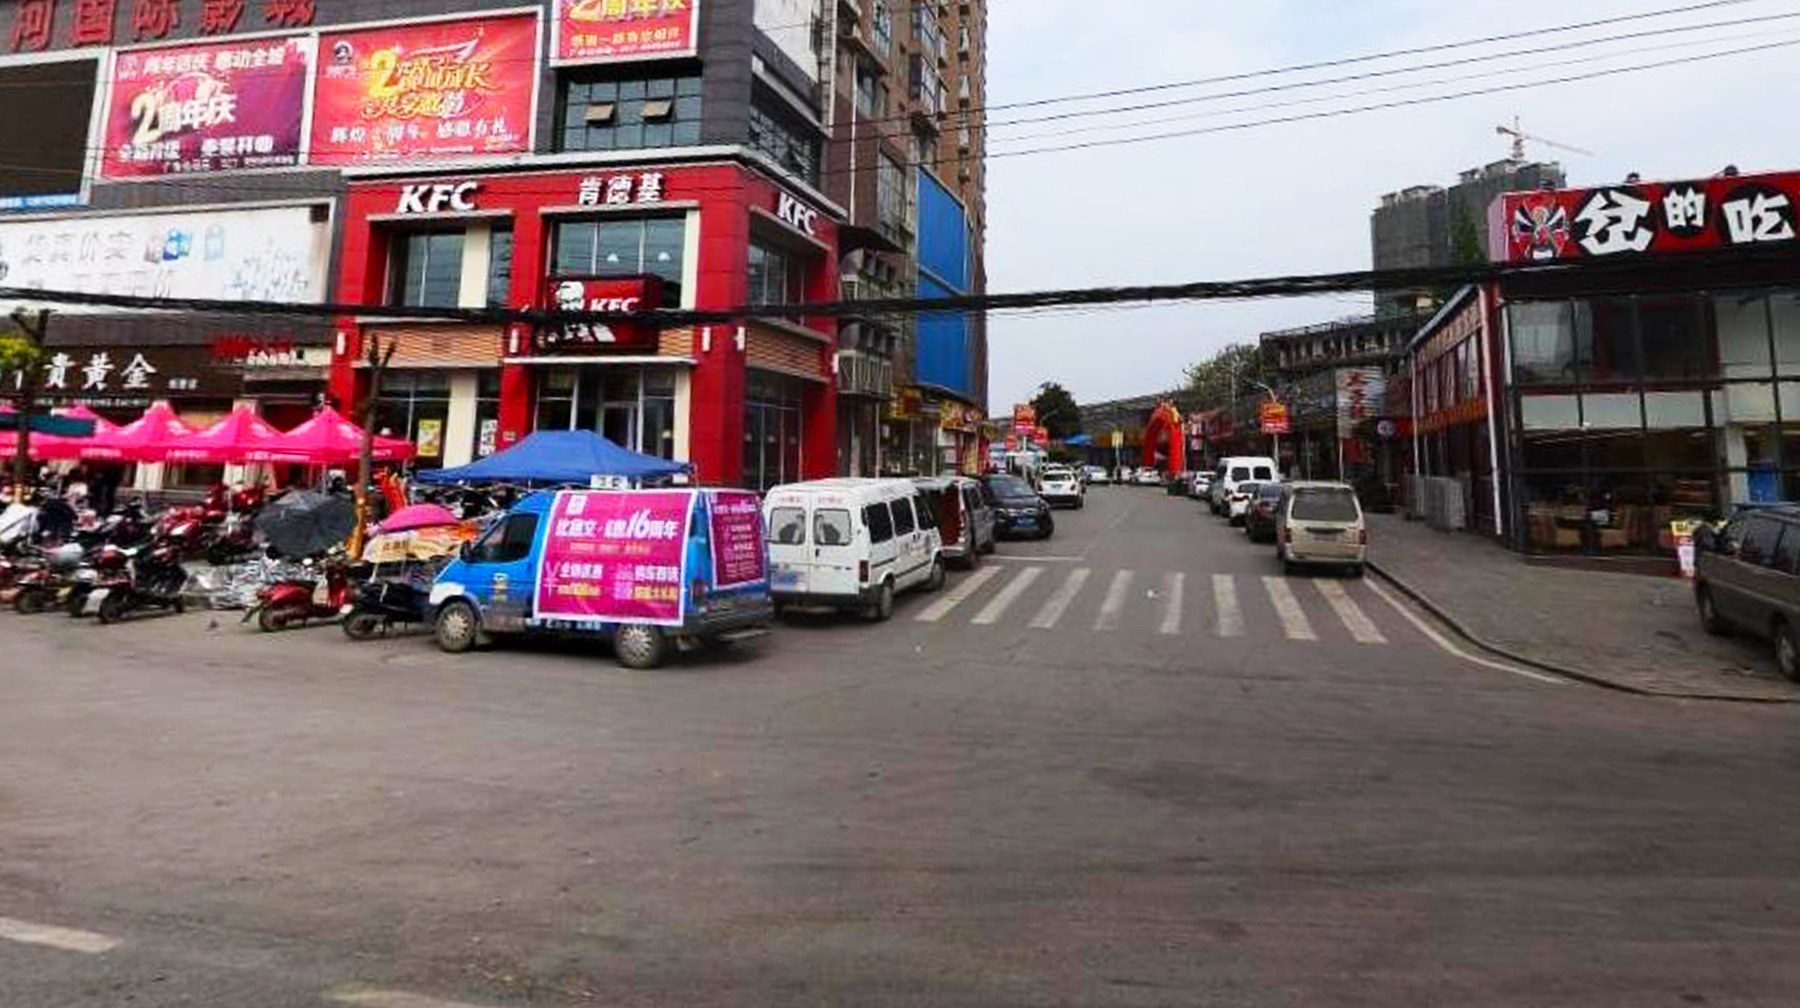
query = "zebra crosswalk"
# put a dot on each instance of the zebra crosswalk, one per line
(1168, 603)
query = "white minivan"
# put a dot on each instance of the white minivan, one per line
(851, 544)
(1228, 500)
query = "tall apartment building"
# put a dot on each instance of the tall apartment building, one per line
(700, 154)
(1428, 225)
(905, 160)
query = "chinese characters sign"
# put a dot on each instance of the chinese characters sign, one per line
(590, 31)
(615, 557)
(131, 376)
(207, 108)
(450, 88)
(738, 555)
(1722, 212)
(621, 190)
(1361, 395)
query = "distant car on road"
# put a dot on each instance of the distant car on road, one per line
(1200, 484)
(965, 519)
(1018, 510)
(1061, 487)
(1232, 471)
(1097, 475)
(1321, 524)
(1148, 477)
(1747, 578)
(1259, 521)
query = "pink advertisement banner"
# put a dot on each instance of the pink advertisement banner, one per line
(205, 108)
(738, 554)
(615, 557)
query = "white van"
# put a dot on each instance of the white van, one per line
(851, 544)
(1227, 499)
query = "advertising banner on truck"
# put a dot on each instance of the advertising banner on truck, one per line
(739, 554)
(613, 557)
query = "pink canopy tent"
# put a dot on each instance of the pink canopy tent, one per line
(146, 439)
(241, 437)
(328, 437)
(52, 447)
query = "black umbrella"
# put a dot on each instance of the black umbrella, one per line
(302, 522)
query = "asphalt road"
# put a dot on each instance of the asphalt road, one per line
(1130, 766)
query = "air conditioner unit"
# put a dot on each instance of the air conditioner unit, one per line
(851, 288)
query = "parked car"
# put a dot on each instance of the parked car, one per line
(1240, 469)
(1059, 486)
(1321, 524)
(697, 573)
(1265, 502)
(1200, 484)
(1097, 475)
(1747, 578)
(965, 519)
(852, 544)
(1019, 511)
(1149, 477)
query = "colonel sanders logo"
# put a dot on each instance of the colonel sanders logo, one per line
(1540, 227)
(571, 296)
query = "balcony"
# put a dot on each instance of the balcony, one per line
(861, 374)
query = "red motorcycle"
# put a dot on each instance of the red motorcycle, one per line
(292, 601)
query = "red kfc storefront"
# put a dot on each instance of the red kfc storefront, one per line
(751, 402)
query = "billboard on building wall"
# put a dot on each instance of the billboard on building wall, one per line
(1361, 395)
(441, 89)
(269, 254)
(592, 31)
(44, 140)
(1719, 212)
(206, 108)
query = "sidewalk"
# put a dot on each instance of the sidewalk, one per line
(1632, 631)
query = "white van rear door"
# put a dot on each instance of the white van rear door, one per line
(836, 551)
(789, 521)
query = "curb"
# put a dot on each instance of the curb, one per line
(1456, 626)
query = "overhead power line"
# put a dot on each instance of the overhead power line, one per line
(1593, 270)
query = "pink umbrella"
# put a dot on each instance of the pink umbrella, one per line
(146, 439)
(241, 437)
(329, 437)
(419, 516)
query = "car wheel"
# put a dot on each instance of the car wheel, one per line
(1048, 529)
(935, 582)
(882, 609)
(362, 626)
(458, 627)
(1710, 620)
(1787, 651)
(640, 647)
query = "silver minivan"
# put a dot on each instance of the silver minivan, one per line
(1321, 524)
(1747, 578)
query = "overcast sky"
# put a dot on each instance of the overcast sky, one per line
(1296, 198)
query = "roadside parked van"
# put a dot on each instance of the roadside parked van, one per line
(1321, 524)
(649, 570)
(1747, 578)
(852, 544)
(965, 519)
(1227, 499)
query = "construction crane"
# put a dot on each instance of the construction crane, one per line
(1519, 136)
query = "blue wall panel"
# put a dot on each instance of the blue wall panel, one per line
(945, 357)
(943, 235)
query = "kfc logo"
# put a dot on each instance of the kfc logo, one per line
(428, 198)
(607, 296)
(797, 215)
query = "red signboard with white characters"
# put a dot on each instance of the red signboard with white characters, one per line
(592, 31)
(739, 554)
(205, 108)
(601, 294)
(463, 87)
(1721, 212)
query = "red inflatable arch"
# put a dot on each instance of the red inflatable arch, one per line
(1164, 432)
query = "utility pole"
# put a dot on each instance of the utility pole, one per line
(377, 358)
(33, 327)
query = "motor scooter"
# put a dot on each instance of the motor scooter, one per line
(292, 601)
(42, 588)
(383, 604)
(155, 581)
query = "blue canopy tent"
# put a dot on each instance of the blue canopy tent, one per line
(559, 458)
(1079, 441)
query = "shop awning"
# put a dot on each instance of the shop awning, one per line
(559, 458)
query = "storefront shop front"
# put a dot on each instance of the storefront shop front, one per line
(1623, 407)
(750, 403)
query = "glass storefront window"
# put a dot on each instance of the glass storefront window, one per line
(772, 431)
(1612, 411)
(426, 270)
(499, 274)
(1784, 310)
(633, 407)
(1613, 341)
(1540, 412)
(1663, 410)
(1544, 342)
(487, 414)
(632, 247)
(415, 404)
(1743, 326)
(1675, 342)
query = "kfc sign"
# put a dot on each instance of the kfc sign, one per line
(797, 215)
(442, 197)
(612, 295)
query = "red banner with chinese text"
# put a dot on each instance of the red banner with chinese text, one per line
(1725, 211)
(205, 108)
(597, 30)
(428, 90)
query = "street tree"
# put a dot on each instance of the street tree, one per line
(1219, 380)
(22, 354)
(1057, 411)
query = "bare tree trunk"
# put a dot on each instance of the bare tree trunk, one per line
(32, 382)
(365, 465)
